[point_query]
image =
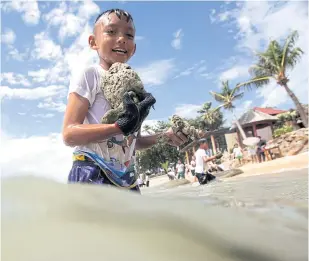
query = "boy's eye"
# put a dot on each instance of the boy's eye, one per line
(110, 31)
(130, 36)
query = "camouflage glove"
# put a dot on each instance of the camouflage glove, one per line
(129, 119)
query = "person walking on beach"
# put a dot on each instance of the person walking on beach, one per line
(101, 153)
(201, 160)
(260, 149)
(252, 152)
(192, 167)
(180, 170)
(237, 151)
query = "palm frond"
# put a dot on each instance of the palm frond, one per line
(218, 96)
(288, 46)
(266, 60)
(293, 57)
(276, 52)
(238, 96)
(257, 82)
(258, 71)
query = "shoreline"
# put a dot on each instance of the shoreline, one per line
(287, 163)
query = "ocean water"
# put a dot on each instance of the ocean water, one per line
(251, 219)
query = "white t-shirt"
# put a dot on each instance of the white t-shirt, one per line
(237, 152)
(192, 165)
(89, 87)
(180, 167)
(199, 161)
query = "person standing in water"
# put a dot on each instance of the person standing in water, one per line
(101, 153)
(201, 160)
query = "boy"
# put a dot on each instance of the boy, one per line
(180, 169)
(237, 153)
(201, 160)
(101, 155)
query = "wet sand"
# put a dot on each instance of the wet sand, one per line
(285, 164)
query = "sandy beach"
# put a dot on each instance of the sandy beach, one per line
(288, 163)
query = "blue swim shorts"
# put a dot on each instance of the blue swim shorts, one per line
(89, 172)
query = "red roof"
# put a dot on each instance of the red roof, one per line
(270, 111)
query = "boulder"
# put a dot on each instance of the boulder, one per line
(291, 143)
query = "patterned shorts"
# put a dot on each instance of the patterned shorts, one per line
(89, 172)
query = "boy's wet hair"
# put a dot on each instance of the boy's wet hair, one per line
(202, 141)
(118, 12)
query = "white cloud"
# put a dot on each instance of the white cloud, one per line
(45, 47)
(69, 66)
(44, 116)
(176, 43)
(235, 72)
(8, 36)
(14, 79)
(186, 72)
(157, 72)
(150, 123)
(69, 23)
(187, 110)
(40, 75)
(44, 156)
(139, 38)
(79, 55)
(273, 95)
(29, 9)
(31, 94)
(198, 68)
(50, 104)
(16, 55)
(260, 22)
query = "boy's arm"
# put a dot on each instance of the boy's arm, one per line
(206, 158)
(145, 142)
(75, 132)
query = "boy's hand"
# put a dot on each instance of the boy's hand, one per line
(144, 108)
(175, 139)
(128, 121)
(134, 114)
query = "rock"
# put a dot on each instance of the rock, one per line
(288, 138)
(228, 173)
(291, 143)
(297, 147)
(176, 183)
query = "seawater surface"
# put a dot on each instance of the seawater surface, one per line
(254, 218)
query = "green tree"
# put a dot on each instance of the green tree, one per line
(227, 97)
(156, 156)
(274, 63)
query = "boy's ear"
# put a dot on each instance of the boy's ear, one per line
(92, 43)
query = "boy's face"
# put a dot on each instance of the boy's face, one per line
(113, 39)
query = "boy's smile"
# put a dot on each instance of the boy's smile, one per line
(113, 39)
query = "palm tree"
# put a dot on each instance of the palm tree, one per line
(273, 63)
(211, 118)
(227, 96)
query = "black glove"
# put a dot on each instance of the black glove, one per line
(144, 108)
(129, 119)
(134, 114)
(219, 155)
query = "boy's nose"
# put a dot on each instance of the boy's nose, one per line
(121, 39)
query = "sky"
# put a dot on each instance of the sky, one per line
(184, 50)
